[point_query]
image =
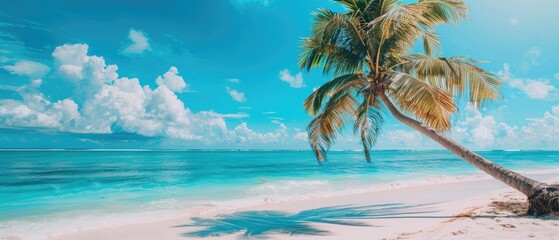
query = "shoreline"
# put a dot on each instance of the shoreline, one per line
(433, 195)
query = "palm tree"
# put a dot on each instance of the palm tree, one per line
(367, 49)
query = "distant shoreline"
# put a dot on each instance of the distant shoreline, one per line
(249, 150)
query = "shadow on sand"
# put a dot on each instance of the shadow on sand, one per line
(258, 224)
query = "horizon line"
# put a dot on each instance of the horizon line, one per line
(240, 150)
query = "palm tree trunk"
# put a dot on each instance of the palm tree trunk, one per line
(543, 198)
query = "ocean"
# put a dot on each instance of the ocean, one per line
(81, 189)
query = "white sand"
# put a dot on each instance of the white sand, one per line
(436, 208)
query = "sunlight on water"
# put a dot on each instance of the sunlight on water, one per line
(39, 185)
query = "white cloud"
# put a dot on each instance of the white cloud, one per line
(294, 81)
(541, 133)
(233, 115)
(246, 135)
(236, 95)
(121, 104)
(35, 111)
(555, 110)
(139, 42)
(28, 68)
(556, 76)
(172, 80)
(269, 113)
(534, 89)
(301, 136)
(234, 80)
(397, 139)
(36, 83)
(88, 73)
(484, 132)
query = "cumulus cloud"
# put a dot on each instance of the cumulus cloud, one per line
(541, 132)
(139, 42)
(245, 135)
(534, 89)
(28, 68)
(172, 80)
(35, 111)
(116, 104)
(484, 132)
(301, 136)
(293, 81)
(88, 73)
(236, 95)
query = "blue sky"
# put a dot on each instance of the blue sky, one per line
(223, 74)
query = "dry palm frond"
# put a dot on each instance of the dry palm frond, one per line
(430, 104)
(456, 75)
(368, 121)
(326, 126)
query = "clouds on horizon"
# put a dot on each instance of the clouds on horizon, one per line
(106, 103)
(483, 132)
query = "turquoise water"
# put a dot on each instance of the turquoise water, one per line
(42, 184)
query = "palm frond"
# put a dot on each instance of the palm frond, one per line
(457, 75)
(327, 125)
(431, 44)
(336, 44)
(315, 101)
(368, 121)
(433, 106)
(444, 11)
(397, 30)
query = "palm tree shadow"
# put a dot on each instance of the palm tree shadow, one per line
(258, 224)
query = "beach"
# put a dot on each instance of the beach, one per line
(460, 210)
(265, 119)
(263, 194)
